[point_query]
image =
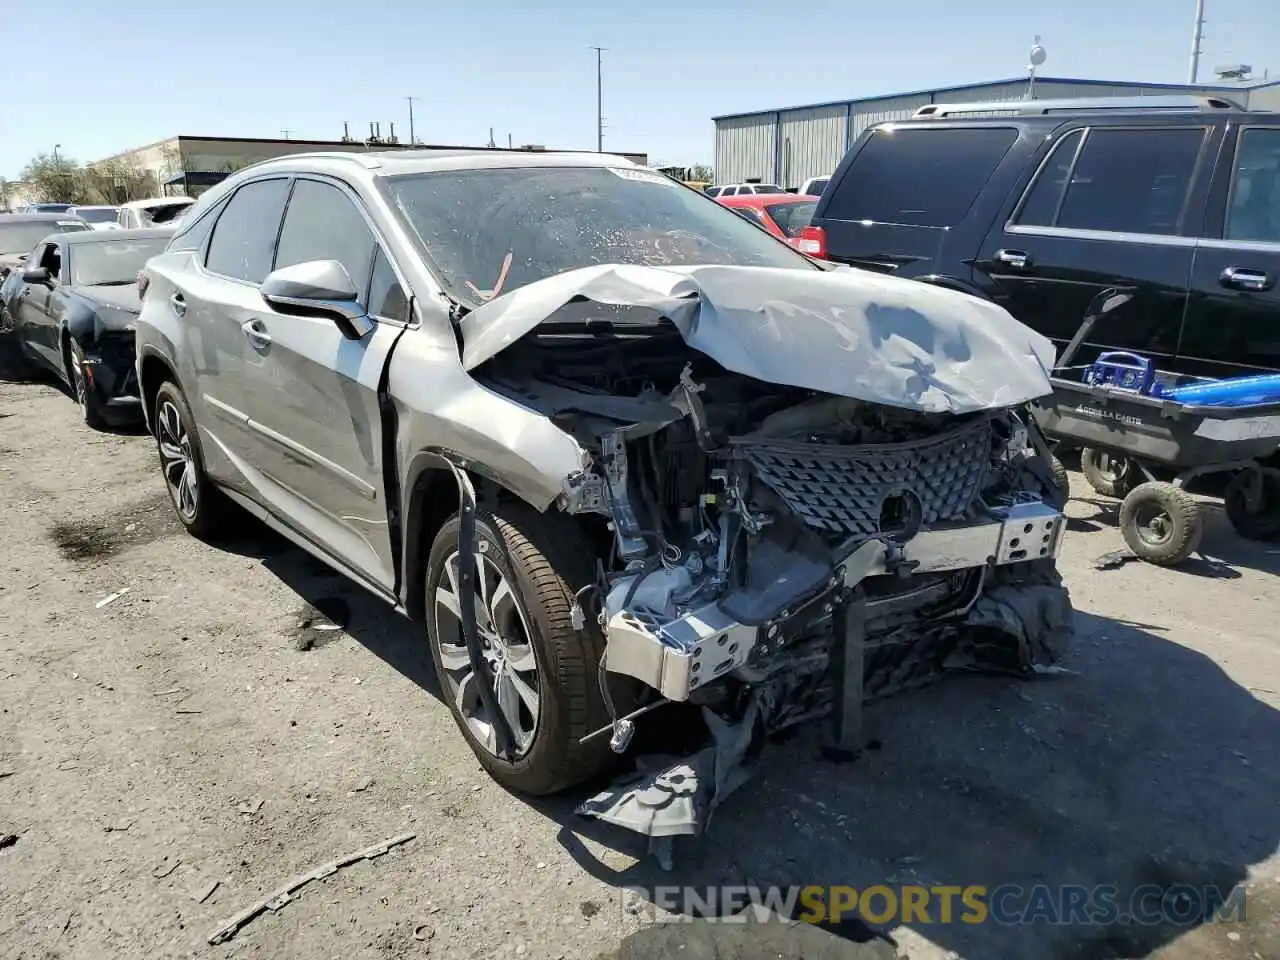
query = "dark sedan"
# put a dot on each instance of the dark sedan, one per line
(19, 232)
(72, 309)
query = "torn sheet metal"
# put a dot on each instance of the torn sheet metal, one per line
(849, 333)
(678, 799)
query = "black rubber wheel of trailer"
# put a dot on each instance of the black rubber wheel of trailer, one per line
(1161, 523)
(1109, 474)
(1252, 500)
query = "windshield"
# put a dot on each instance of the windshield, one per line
(95, 214)
(491, 231)
(50, 207)
(21, 237)
(767, 188)
(817, 186)
(112, 261)
(791, 218)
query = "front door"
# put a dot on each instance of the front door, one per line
(313, 394)
(1233, 318)
(32, 319)
(1109, 207)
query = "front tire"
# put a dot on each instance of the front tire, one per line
(200, 506)
(88, 399)
(528, 568)
(1161, 523)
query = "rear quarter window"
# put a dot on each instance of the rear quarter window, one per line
(919, 177)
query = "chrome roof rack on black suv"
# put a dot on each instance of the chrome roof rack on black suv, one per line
(1025, 108)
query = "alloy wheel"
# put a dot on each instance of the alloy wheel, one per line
(511, 667)
(177, 462)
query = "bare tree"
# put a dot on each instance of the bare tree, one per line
(702, 172)
(118, 181)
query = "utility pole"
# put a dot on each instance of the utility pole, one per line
(1197, 36)
(412, 141)
(286, 134)
(599, 100)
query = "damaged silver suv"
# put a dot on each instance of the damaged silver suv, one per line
(610, 444)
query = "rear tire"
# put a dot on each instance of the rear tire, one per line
(200, 505)
(1109, 474)
(1254, 514)
(544, 562)
(1161, 523)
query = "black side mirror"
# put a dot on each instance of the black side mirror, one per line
(35, 275)
(319, 288)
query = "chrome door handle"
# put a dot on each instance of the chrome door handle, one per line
(179, 305)
(1241, 279)
(256, 333)
(1014, 258)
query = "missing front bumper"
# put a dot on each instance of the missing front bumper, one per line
(676, 657)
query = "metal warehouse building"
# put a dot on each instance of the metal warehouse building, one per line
(788, 145)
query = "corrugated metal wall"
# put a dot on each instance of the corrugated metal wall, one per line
(870, 112)
(805, 142)
(812, 143)
(745, 148)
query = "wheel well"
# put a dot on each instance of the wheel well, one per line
(153, 373)
(433, 500)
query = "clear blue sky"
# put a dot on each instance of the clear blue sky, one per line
(102, 77)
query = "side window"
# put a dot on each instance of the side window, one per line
(194, 237)
(386, 297)
(1040, 206)
(746, 213)
(51, 260)
(1254, 211)
(916, 177)
(1132, 181)
(729, 192)
(321, 223)
(245, 235)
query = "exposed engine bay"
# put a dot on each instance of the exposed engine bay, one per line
(759, 529)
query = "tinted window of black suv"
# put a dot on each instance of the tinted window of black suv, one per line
(925, 178)
(1043, 212)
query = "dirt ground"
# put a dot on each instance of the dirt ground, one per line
(177, 737)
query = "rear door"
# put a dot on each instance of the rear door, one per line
(313, 393)
(217, 300)
(1109, 206)
(907, 189)
(1233, 316)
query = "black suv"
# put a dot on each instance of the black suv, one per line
(1040, 205)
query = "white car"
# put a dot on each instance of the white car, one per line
(743, 189)
(158, 211)
(99, 217)
(814, 186)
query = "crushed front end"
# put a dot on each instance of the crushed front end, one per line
(835, 552)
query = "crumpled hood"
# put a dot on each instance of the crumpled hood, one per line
(124, 297)
(846, 332)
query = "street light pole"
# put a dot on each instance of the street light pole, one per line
(412, 141)
(56, 164)
(599, 100)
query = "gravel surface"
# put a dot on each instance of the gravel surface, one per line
(236, 716)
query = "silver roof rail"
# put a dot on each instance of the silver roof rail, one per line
(1032, 108)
